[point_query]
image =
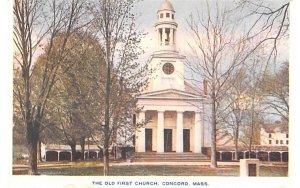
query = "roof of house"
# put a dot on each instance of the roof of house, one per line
(253, 148)
(275, 127)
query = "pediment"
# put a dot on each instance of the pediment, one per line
(169, 94)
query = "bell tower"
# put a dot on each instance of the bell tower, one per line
(166, 64)
(166, 27)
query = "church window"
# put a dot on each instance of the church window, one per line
(277, 141)
(281, 141)
(161, 15)
(287, 135)
(287, 142)
(172, 16)
(270, 135)
(270, 141)
(168, 15)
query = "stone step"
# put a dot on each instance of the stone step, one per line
(170, 157)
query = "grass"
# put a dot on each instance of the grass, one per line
(83, 169)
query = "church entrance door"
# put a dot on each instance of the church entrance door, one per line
(186, 140)
(168, 140)
(148, 139)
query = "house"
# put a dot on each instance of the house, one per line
(274, 134)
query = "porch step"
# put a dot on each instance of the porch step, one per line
(170, 157)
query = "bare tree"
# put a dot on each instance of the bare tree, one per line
(236, 104)
(253, 99)
(275, 88)
(268, 23)
(120, 39)
(218, 48)
(35, 22)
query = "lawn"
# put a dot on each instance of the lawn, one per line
(154, 170)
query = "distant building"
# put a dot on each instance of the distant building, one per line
(225, 140)
(274, 140)
(274, 134)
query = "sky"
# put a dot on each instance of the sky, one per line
(147, 9)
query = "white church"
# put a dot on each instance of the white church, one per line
(174, 111)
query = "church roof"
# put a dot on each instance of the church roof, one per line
(170, 94)
(166, 5)
(192, 89)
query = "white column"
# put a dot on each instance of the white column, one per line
(160, 132)
(171, 37)
(174, 37)
(163, 36)
(58, 152)
(197, 133)
(179, 132)
(158, 38)
(141, 134)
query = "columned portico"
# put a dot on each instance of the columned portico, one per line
(160, 131)
(179, 132)
(165, 122)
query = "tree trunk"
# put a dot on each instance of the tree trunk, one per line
(39, 152)
(252, 126)
(82, 145)
(236, 149)
(213, 134)
(107, 103)
(32, 140)
(105, 161)
(73, 149)
(236, 140)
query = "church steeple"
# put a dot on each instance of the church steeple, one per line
(166, 27)
(166, 61)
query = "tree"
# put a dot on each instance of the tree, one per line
(124, 76)
(34, 23)
(218, 48)
(235, 104)
(74, 95)
(254, 111)
(275, 88)
(268, 23)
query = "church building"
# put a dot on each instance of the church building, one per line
(174, 110)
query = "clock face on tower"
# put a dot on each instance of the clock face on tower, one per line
(168, 68)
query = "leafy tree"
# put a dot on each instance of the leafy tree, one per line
(34, 23)
(72, 94)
